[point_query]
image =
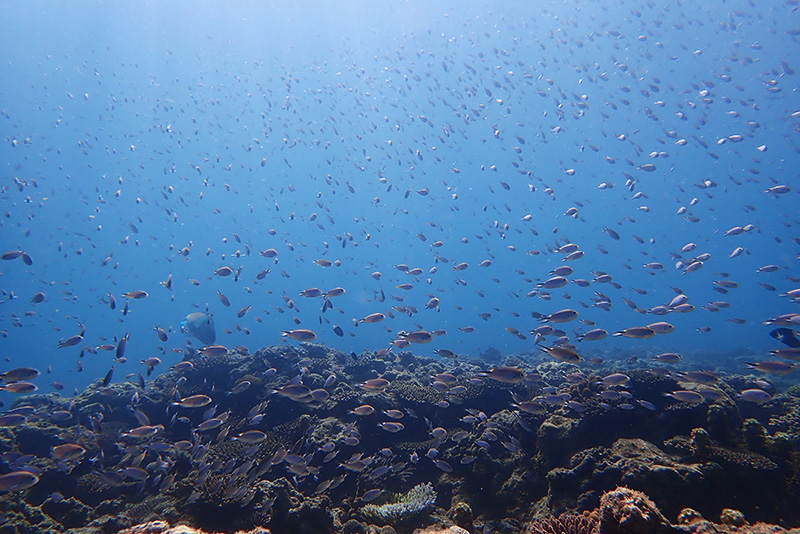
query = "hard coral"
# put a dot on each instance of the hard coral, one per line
(461, 514)
(732, 517)
(449, 530)
(162, 527)
(787, 422)
(70, 512)
(624, 510)
(621, 511)
(701, 447)
(416, 501)
(628, 462)
(413, 391)
(586, 523)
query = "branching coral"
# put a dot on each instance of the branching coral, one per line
(417, 500)
(565, 524)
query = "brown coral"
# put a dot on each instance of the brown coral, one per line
(449, 530)
(162, 527)
(624, 510)
(701, 447)
(621, 511)
(787, 422)
(415, 392)
(586, 523)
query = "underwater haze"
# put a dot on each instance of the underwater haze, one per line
(592, 183)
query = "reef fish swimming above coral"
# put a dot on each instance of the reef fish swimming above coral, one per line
(373, 267)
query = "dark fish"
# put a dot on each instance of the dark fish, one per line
(195, 401)
(373, 318)
(561, 316)
(418, 336)
(168, 282)
(214, 350)
(11, 255)
(122, 345)
(636, 332)
(107, 378)
(71, 341)
(772, 367)
(562, 354)
(12, 420)
(19, 387)
(445, 353)
(611, 233)
(786, 336)
(757, 396)
(161, 333)
(300, 334)
(201, 326)
(17, 480)
(507, 375)
(21, 374)
(67, 451)
(224, 271)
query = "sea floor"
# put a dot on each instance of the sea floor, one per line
(306, 439)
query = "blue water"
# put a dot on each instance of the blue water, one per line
(133, 130)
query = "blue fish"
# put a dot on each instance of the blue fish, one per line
(201, 326)
(786, 336)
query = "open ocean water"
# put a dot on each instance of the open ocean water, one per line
(524, 198)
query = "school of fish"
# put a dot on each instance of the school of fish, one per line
(593, 190)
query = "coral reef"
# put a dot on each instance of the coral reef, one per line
(162, 527)
(585, 523)
(461, 514)
(448, 530)
(788, 421)
(621, 511)
(491, 454)
(626, 511)
(731, 522)
(631, 462)
(418, 500)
